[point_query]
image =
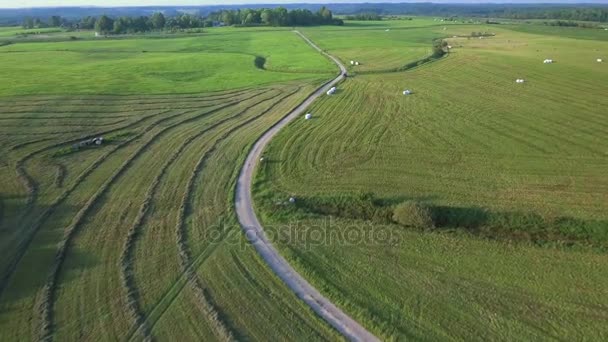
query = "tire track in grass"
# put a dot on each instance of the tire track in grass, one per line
(127, 256)
(47, 297)
(164, 303)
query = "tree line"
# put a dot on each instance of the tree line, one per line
(108, 25)
(158, 22)
(279, 16)
(367, 16)
(577, 14)
(54, 21)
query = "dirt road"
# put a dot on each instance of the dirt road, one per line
(255, 232)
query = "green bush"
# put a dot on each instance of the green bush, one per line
(413, 214)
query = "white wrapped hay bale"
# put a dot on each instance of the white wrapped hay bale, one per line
(308, 116)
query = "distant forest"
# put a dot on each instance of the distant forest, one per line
(306, 14)
(105, 24)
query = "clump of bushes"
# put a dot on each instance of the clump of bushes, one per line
(413, 214)
(547, 228)
(439, 48)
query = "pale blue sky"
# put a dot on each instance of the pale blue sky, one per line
(122, 3)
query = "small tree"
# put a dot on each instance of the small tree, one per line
(55, 21)
(158, 21)
(104, 24)
(28, 23)
(267, 17)
(438, 49)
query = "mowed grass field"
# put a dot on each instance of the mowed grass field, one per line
(136, 238)
(469, 139)
(380, 46)
(218, 61)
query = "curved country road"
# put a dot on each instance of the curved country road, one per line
(255, 232)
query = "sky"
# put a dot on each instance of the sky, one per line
(123, 3)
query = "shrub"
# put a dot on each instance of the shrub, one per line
(413, 214)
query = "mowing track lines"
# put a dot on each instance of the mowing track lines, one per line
(223, 332)
(141, 325)
(254, 231)
(24, 245)
(164, 303)
(31, 185)
(47, 297)
(126, 99)
(161, 105)
(55, 125)
(27, 143)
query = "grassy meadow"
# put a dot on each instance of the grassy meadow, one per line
(213, 62)
(380, 46)
(514, 176)
(136, 238)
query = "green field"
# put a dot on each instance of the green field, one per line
(503, 167)
(158, 66)
(137, 238)
(377, 49)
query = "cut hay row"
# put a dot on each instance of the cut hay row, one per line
(24, 244)
(200, 288)
(41, 118)
(60, 174)
(27, 143)
(30, 184)
(132, 111)
(220, 274)
(128, 249)
(47, 297)
(223, 332)
(102, 197)
(84, 126)
(110, 107)
(105, 100)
